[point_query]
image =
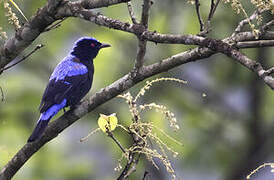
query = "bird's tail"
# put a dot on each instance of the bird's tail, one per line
(39, 129)
(44, 120)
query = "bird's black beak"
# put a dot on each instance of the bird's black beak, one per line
(103, 45)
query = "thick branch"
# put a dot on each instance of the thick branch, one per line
(154, 36)
(96, 100)
(91, 4)
(51, 12)
(28, 33)
(220, 46)
(116, 88)
(55, 10)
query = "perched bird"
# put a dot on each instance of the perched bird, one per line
(69, 83)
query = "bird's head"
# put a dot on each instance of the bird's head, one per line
(87, 48)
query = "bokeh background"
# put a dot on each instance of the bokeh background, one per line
(225, 134)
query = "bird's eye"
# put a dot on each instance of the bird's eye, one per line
(92, 45)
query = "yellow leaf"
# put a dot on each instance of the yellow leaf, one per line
(107, 122)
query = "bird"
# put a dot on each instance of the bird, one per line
(70, 81)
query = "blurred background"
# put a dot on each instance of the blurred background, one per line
(225, 112)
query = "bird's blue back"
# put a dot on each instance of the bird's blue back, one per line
(70, 80)
(67, 68)
(69, 83)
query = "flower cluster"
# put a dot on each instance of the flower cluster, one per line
(12, 18)
(260, 5)
(163, 109)
(145, 134)
(3, 34)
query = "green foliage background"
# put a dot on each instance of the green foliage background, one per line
(217, 131)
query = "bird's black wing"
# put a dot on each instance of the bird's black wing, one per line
(66, 79)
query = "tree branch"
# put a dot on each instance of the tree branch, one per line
(245, 21)
(255, 44)
(105, 94)
(220, 46)
(131, 13)
(213, 8)
(2, 94)
(270, 71)
(145, 175)
(142, 44)
(109, 133)
(55, 26)
(267, 26)
(112, 91)
(91, 4)
(157, 37)
(56, 10)
(130, 166)
(28, 33)
(39, 46)
(197, 7)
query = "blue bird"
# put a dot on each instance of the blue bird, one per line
(69, 83)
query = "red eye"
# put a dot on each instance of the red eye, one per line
(92, 45)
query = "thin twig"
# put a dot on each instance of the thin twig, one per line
(39, 46)
(91, 133)
(131, 13)
(213, 8)
(142, 43)
(133, 167)
(56, 25)
(265, 27)
(127, 167)
(197, 5)
(255, 44)
(244, 22)
(207, 26)
(258, 168)
(269, 71)
(115, 140)
(2, 94)
(145, 174)
(130, 166)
